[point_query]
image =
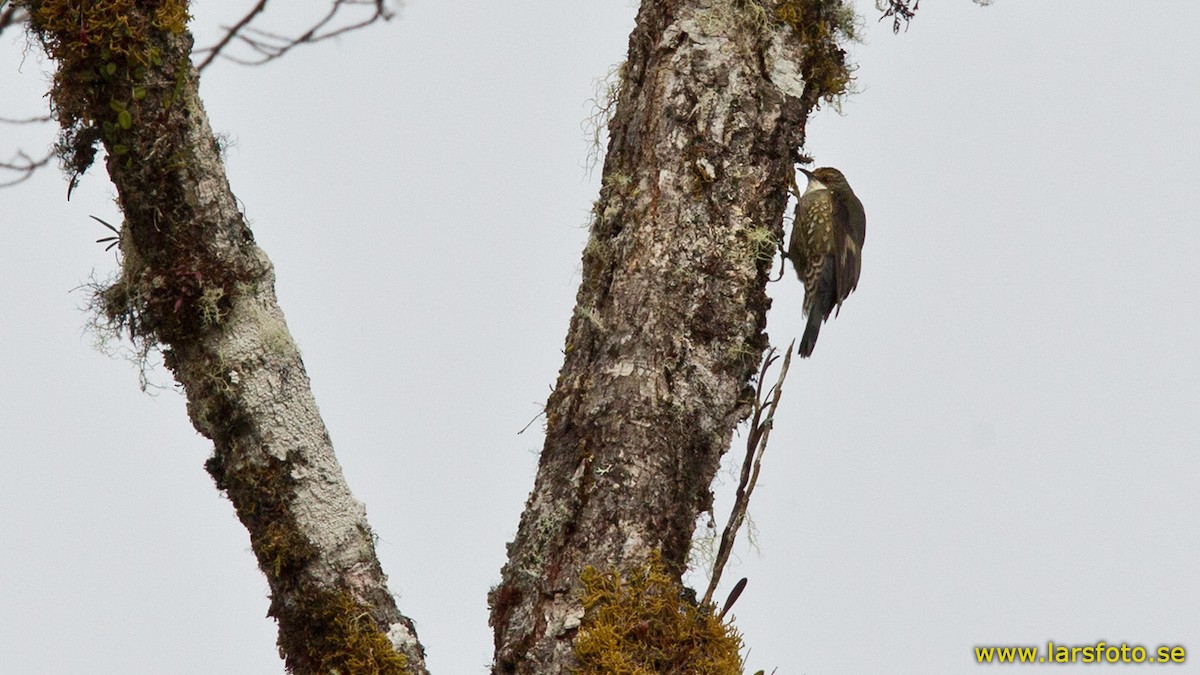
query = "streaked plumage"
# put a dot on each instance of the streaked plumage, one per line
(826, 247)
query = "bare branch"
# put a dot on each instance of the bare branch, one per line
(756, 444)
(26, 120)
(11, 15)
(270, 46)
(231, 33)
(21, 164)
(24, 165)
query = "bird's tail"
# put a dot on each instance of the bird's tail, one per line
(810, 334)
(824, 296)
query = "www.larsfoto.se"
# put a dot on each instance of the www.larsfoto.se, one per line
(1100, 652)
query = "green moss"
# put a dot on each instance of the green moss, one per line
(825, 26)
(763, 241)
(340, 638)
(719, 17)
(166, 305)
(262, 493)
(105, 44)
(321, 630)
(746, 355)
(592, 316)
(639, 623)
(212, 309)
(275, 336)
(123, 77)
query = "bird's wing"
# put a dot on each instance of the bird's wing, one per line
(796, 246)
(850, 223)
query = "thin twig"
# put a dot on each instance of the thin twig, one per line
(231, 33)
(524, 428)
(26, 120)
(270, 46)
(761, 423)
(23, 165)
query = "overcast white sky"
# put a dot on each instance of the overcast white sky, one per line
(996, 442)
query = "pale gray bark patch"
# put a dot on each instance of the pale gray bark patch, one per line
(783, 63)
(274, 396)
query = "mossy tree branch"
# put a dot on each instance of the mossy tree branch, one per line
(194, 284)
(670, 315)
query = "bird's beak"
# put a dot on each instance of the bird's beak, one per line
(806, 172)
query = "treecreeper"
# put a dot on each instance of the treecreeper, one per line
(826, 247)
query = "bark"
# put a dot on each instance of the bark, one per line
(194, 284)
(669, 321)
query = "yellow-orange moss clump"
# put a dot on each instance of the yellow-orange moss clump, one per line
(638, 623)
(73, 29)
(339, 638)
(105, 50)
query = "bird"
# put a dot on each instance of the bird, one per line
(826, 247)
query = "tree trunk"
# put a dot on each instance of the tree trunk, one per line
(194, 283)
(669, 321)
